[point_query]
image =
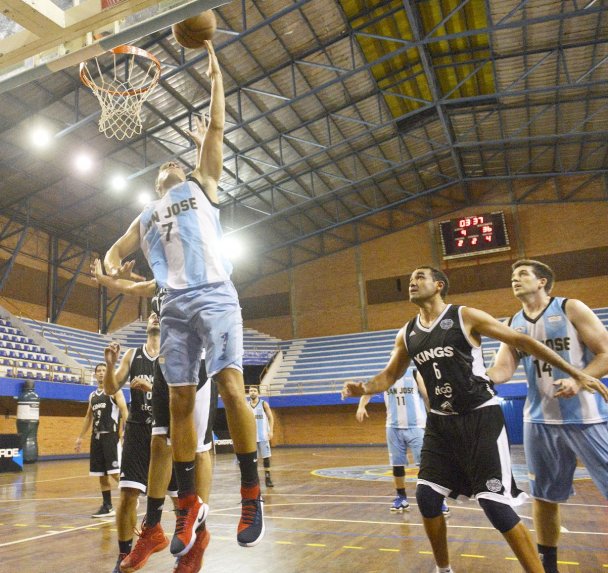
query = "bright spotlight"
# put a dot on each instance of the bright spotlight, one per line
(83, 163)
(233, 248)
(40, 137)
(119, 183)
(144, 198)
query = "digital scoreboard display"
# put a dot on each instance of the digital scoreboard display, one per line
(474, 235)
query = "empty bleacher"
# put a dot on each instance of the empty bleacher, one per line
(21, 357)
(83, 346)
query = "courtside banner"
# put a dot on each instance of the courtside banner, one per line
(11, 454)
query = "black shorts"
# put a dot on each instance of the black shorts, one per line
(468, 455)
(204, 413)
(105, 459)
(135, 456)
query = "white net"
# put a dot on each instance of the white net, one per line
(121, 88)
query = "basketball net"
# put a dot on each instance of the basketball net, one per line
(121, 86)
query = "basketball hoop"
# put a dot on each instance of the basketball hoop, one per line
(121, 86)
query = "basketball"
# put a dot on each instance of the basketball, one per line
(193, 32)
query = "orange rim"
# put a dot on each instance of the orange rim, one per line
(87, 80)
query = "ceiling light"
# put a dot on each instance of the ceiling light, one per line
(83, 163)
(233, 248)
(119, 183)
(40, 137)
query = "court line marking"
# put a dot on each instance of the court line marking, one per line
(26, 482)
(51, 534)
(368, 522)
(32, 499)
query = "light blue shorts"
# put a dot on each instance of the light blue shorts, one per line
(207, 317)
(399, 440)
(264, 449)
(551, 454)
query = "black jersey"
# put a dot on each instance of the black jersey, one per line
(142, 366)
(105, 412)
(451, 366)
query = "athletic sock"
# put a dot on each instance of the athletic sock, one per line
(184, 472)
(125, 546)
(401, 491)
(107, 497)
(249, 468)
(154, 511)
(447, 569)
(548, 555)
(267, 473)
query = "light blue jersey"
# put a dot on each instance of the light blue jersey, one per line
(261, 420)
(181, 238)
(404, 405)
(553, 329)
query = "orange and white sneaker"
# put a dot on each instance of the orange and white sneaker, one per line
(191, 513)
(192, 562)
(251, 525)
(151, 540)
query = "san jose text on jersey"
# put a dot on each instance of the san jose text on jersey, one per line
(404, 405)
(553, 328)
(181, 238)
(450, 364)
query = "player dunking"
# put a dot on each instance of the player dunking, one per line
(180, 234)
(560, 423)
(465, 449)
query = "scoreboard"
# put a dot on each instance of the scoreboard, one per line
(474, 235)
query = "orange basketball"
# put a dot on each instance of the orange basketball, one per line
(193, 32)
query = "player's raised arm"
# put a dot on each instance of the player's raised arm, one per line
(114, 378)
(125, 286)
(209, 139)
(127, 244)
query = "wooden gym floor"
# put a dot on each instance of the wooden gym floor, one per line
(320, 517)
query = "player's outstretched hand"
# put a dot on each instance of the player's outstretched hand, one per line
(78, 445)
(111, 353)
(214, 65)
(96, 270)
(198, 135)
(352, 389)
(125, 270)
(591, 384)
(361, 414)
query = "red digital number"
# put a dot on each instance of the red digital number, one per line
(474, 240)
(487, 238)
(459, 242)
(462, 223)
(486, 229)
